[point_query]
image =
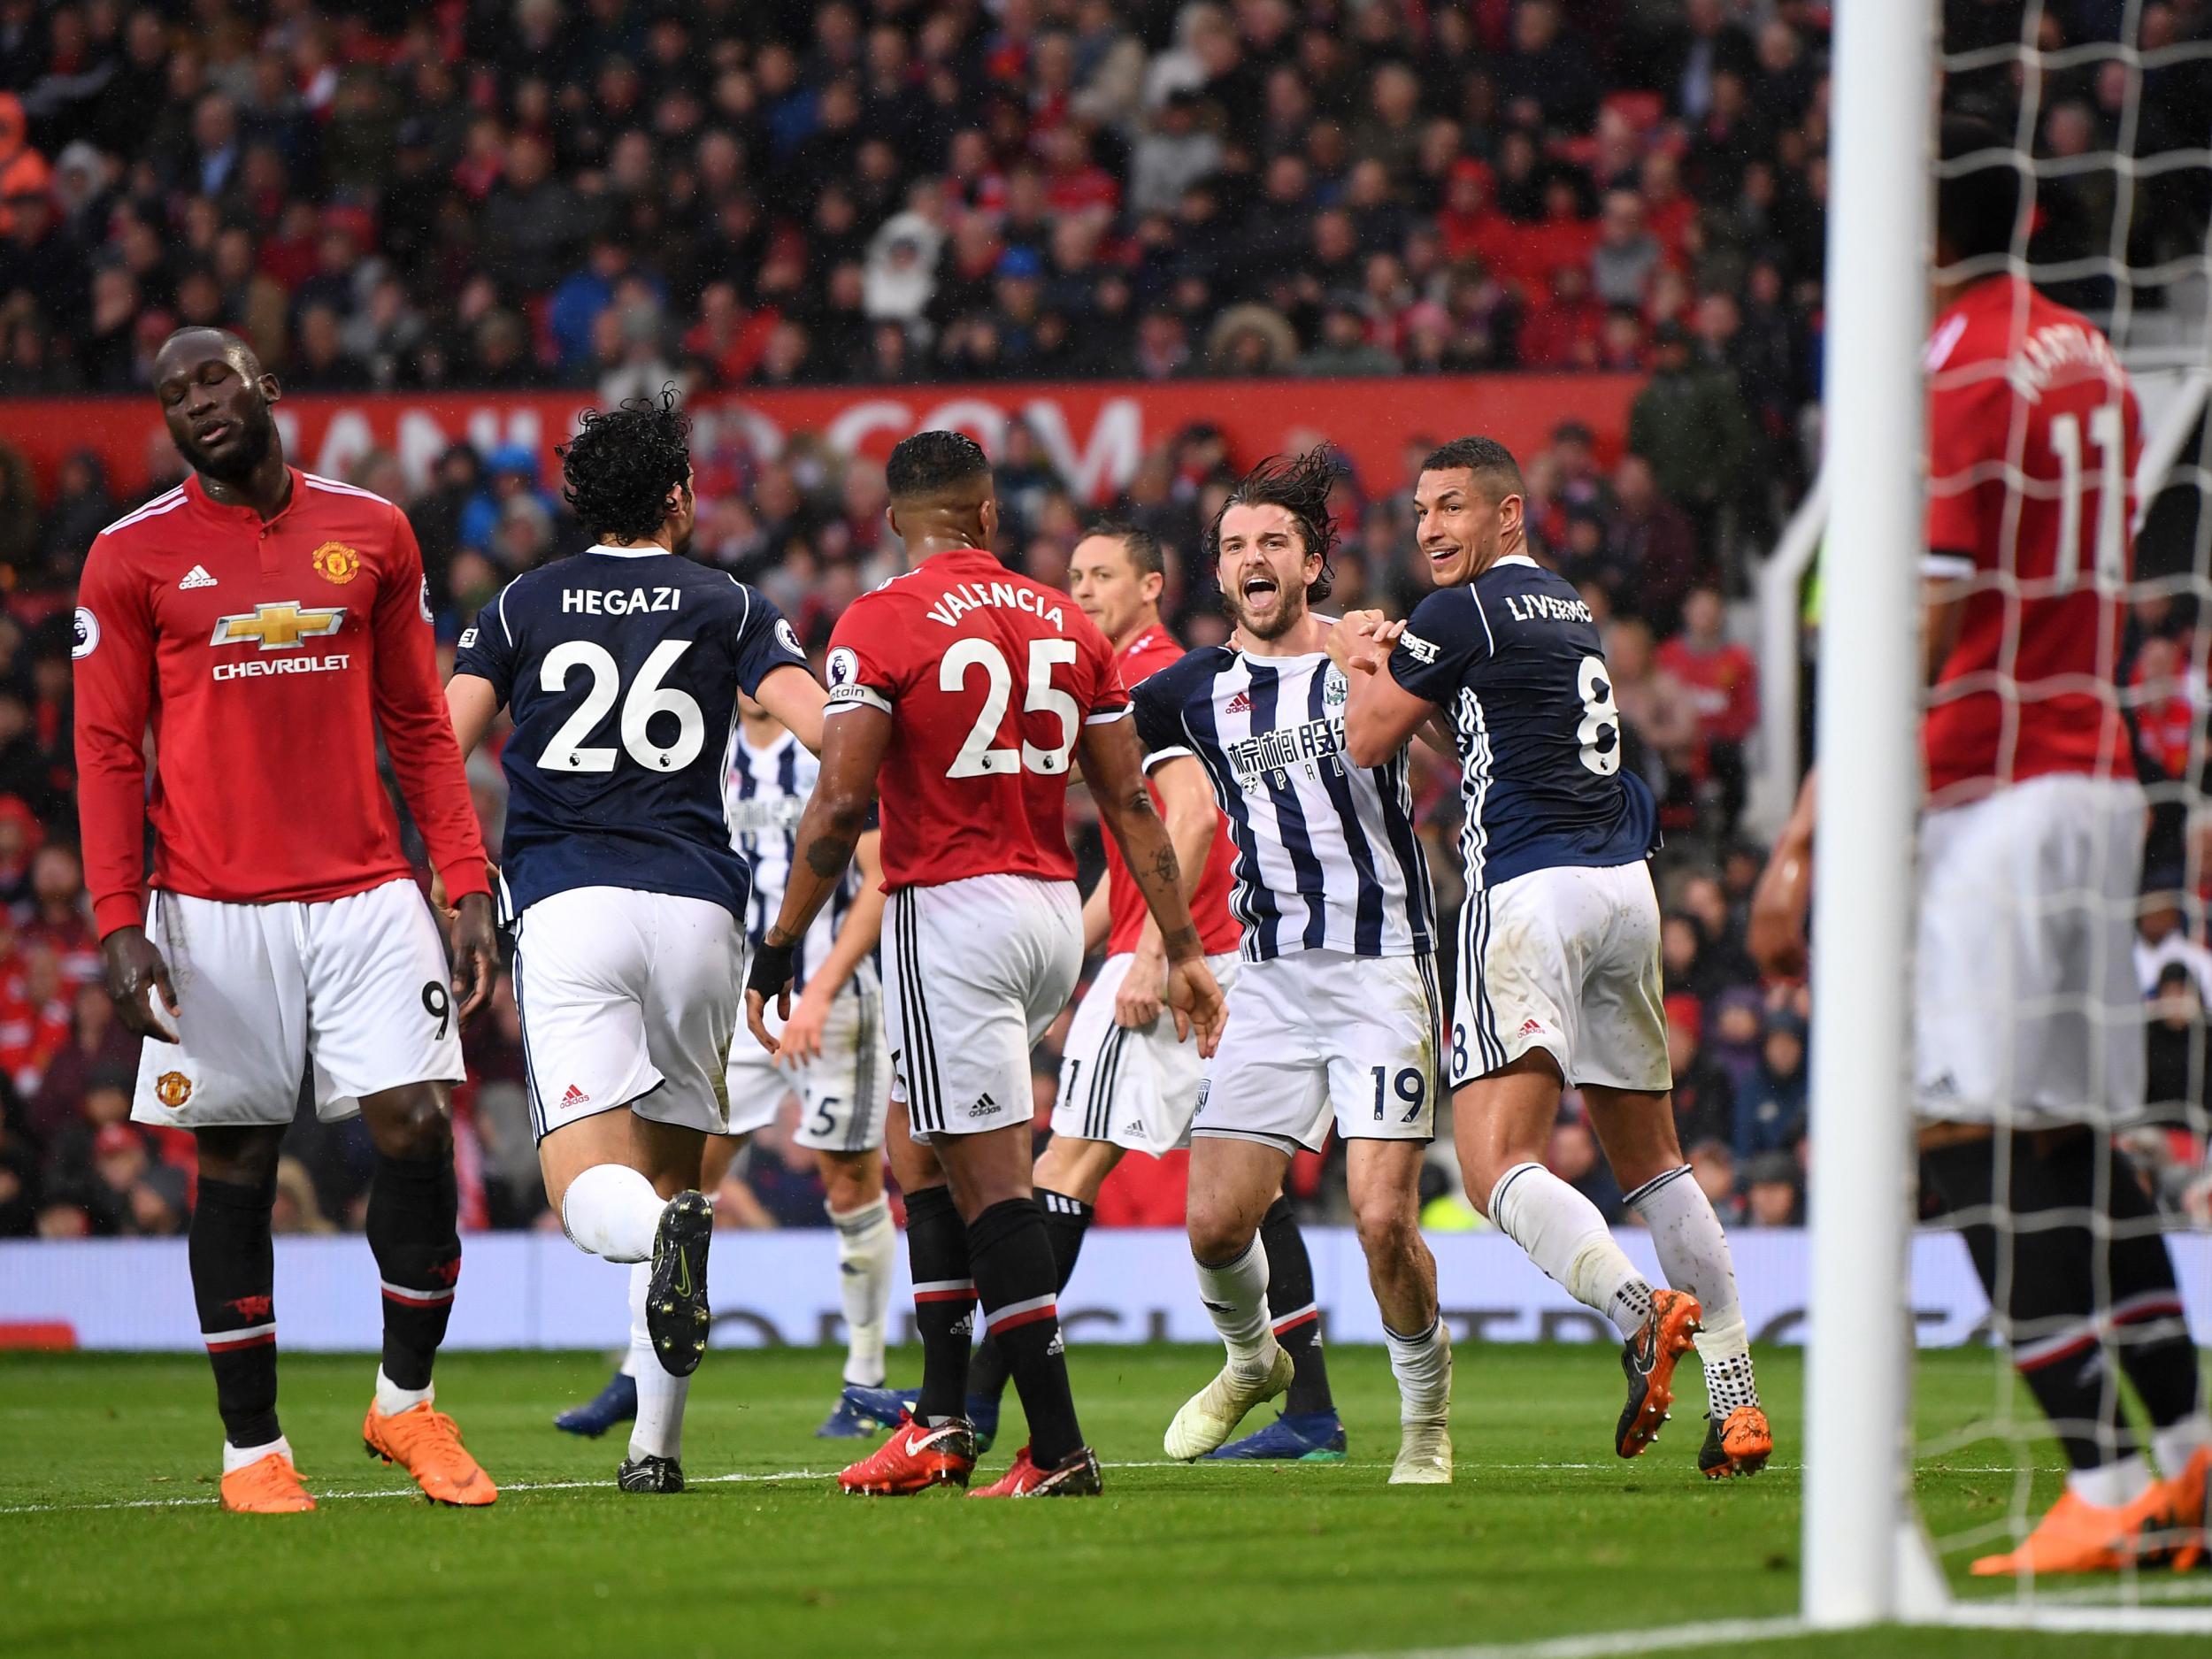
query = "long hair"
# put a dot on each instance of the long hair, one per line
(1300, 485)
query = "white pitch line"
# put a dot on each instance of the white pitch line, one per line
(1713, 1633)
(404, 1492)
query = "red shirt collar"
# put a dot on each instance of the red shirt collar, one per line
(197, 492)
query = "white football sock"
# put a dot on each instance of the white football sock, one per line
(2178, 1442)
(1563, 1234)
(391, 1399)
(1423, 1366)
(1235, 1295)
(1694, 1253)
(2111, 1486)
(612, 1212)
(866, 1242)
(659, 1429)
(237, 1457)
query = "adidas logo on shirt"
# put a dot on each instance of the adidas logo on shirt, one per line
(198, 577)
(1241, 704)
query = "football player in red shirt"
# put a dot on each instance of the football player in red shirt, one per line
(1128, 1082)
(2029, 1036)
(984, 928)
(267, 625)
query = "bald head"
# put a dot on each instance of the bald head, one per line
(191, 346)
(217, 399)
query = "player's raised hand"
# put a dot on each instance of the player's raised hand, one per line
(1195, 996)
(1137, 1004)
(138, 983)
(475, 953)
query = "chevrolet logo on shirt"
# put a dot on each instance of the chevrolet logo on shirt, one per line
(278, 628)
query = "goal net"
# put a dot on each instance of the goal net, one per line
(2084, 621)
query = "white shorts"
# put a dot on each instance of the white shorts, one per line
(1138, 1090)
(973, 972)
(1318, 1036)
(627, 998)
(2026, 1007)
(1565, 960)
(358, 989)
(843, 1095)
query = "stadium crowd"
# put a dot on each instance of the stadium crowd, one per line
(606, 194)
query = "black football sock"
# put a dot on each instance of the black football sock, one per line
(2039, 1273)
(1291, 1309)
(2149, 1327)
(414, 1233)
(1066, 1221)
(234, 1280)
(1012, 1255)
(944, 1301)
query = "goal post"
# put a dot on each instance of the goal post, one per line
(1858, 1361)
(1867, 1556)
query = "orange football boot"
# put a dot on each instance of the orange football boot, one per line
(1648, 1360)
(1739, 1445)
(2076, 1536)
(267, 1485)
(2183, 1516)
(425, 1442)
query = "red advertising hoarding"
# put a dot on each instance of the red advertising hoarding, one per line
(1094, 432)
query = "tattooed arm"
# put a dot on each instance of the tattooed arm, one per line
(1124, 807)
(1186, 802)
(854, 742)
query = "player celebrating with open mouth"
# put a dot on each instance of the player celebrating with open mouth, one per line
(1335, 1016)
(1559, 979)
(623, 666)
(267, 624)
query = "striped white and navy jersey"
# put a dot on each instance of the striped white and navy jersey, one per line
(1514, 660)
(763, 797)
(1327, 858)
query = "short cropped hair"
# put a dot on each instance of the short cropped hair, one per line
(934, 464)
(1300, 485)
(618, 468)
(1978, 211)
(1139, 544)
(1490, 462)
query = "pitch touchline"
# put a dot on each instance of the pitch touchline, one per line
(743, 1479)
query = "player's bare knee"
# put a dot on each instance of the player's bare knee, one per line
(240, 1156)
(1389, 1223)
(851, 1181)
(1219, 1231)
(408, 1123)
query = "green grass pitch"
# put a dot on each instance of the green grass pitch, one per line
(110, 1541)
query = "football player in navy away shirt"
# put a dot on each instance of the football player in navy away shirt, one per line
(622, 666)
(1559, 968)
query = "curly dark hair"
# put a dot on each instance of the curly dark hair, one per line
(1300, 485)
(620, 466)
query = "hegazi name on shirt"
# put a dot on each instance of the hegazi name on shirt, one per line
(616, 602)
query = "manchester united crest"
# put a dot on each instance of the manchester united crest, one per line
(173, 1089)
(335, 562)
